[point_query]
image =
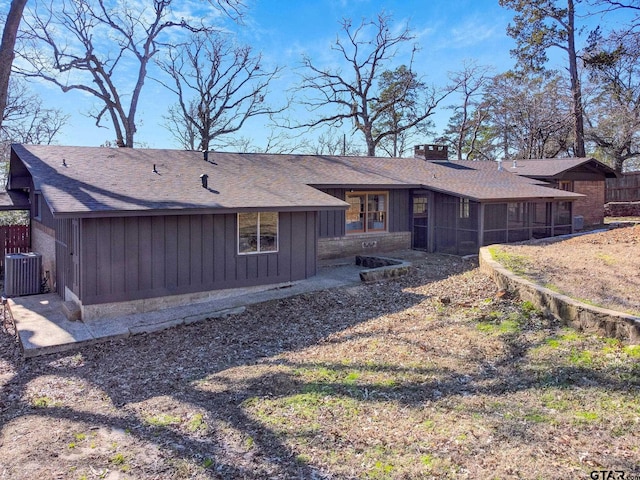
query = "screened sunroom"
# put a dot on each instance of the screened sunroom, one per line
(462, 225)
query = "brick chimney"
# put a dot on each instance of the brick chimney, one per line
(432, 152)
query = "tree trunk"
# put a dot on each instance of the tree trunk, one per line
(7, 50)
(578, 130)
(371, 149)
(371, 144)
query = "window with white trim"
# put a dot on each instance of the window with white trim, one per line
(367, 212)
(257, 232)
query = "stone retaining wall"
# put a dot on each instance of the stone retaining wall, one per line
(581, 316)
(622, 209)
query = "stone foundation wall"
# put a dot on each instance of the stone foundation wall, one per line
(153, 305)
(622, 209)
(364, 244)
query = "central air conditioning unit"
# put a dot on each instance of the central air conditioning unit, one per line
(578, 222)
(22, 274)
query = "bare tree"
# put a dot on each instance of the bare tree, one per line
(629, 29)
(528, 117)
(465, 124)
(275, 143)
(9, 33)
(338, 96)
(26, 120)
(613, 114)
(468, 133)
(103, 48)
(219, 87)
(183, 132)
(331, 143)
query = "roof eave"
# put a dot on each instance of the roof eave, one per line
(366, 186)
(195, 211)
(530, 199)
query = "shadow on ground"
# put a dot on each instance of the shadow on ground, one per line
(176, 404)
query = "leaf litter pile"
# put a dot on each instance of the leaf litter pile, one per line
(432, 375)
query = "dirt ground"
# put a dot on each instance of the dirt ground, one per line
(431, 375)
(600, 268)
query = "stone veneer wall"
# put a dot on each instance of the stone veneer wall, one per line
(43, 241)
(590, 207)
(363, 244)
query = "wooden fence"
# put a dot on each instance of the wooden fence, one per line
(14, 239)
(623, 189)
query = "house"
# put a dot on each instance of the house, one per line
(580, 175)
(129, 230)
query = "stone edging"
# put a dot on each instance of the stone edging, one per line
(380, 268)
(579, 315)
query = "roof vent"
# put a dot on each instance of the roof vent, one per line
(499, 165)
(515, 164)
(205, 157)
(155, 170)
(64, 162)
(205, 180)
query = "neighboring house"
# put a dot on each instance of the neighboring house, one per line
(125, 230)
(580, 175)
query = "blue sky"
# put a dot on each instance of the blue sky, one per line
(448, 33)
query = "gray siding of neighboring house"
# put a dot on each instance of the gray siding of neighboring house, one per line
(332, 223)
(131, 258)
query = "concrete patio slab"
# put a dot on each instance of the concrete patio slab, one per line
(43, 326)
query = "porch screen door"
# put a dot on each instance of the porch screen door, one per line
(420, 222)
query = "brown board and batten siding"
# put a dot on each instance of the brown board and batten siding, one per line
(331, 223)
(63, 270)
(132, 258)
(399, 210)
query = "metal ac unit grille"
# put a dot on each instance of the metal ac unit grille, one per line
(22, 274)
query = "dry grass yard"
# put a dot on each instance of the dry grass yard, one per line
(432, 375)
(601, 268)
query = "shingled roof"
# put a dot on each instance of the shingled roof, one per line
(95, 180)
(547, 168)
(85, 180)
(17, 200)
